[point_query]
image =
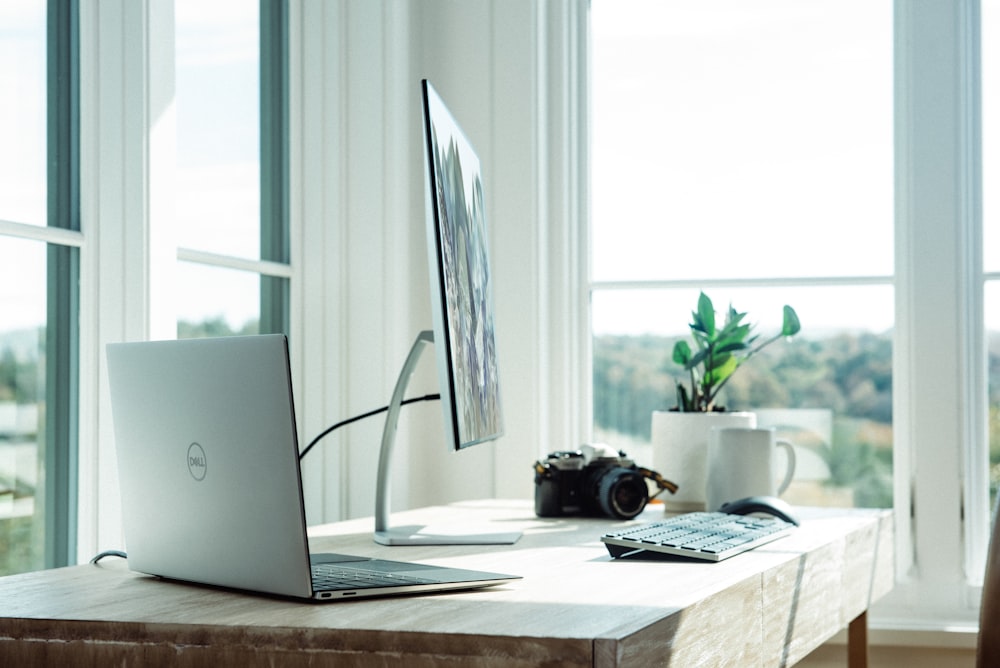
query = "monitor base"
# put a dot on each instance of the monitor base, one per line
(438, 535)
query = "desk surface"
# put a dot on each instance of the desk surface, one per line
(575, 606)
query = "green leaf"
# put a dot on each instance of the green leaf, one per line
(682, 353)
(717, 361)
(733, 333)
(698, 358)
(706, 314)
(720, 372)
(700, 338)
(734, 316)
(719, 352)
(791, 325)
(731, 347)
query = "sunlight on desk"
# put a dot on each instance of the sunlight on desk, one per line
(575, 606)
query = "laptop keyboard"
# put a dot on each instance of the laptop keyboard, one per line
(707, 536)
(334, 577)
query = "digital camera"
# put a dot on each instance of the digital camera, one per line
(596, 480)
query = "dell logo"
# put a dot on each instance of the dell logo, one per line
(196, 463)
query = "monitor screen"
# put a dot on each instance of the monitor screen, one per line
(461, 289)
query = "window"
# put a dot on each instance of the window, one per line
(723, 164)
(22, 165)
(232, 165)
(40, 247)
(883, 258)
(232, 266)
(990, 12)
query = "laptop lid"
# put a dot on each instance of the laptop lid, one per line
(209, 469)
(208, 462)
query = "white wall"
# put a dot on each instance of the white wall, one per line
(360, 248)
(509, 70)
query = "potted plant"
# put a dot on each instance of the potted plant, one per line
(680, 436)
(721, 351)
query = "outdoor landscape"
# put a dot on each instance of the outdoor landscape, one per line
(847, 376)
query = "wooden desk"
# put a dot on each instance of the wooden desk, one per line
(574, 607)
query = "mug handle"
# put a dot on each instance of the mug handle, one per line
(790, 471)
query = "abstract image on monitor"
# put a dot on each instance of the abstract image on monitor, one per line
(460, 270)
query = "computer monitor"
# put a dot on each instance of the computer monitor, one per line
(461, 281)
(462, 304)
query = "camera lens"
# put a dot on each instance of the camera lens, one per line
(622, 493)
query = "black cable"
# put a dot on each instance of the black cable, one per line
(109, 553)
(383, 409)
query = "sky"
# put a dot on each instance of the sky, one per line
(22, 160)
(734, 146)
(693, 174)
(217, 205)
(736, 139)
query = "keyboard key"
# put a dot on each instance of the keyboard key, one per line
(330, 577)
(709, 536)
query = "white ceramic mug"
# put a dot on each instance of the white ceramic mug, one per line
(742, 462)
(680, 452)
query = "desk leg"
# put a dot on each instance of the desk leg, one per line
(857, 641)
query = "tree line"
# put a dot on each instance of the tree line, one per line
(850, 374)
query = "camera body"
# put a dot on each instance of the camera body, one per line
(596, 481)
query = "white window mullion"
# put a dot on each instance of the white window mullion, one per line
(976, 445)
(116, 293)
(52, 235)
(263, 267)
(935, 387)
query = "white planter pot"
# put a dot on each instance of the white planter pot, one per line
(680, 452)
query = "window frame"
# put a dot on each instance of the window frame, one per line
(275, 234)
(128, 159)
(64, 240)
(63, 318)
(940, 409)
(942, 493)
(274, 265)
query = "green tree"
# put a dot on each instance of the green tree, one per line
(211, 327)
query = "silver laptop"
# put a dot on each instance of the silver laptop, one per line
(210, 483)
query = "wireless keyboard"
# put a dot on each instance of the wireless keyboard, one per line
(708, 536)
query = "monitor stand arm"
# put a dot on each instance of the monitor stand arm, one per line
(415, 535)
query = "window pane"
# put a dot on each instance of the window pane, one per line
(22, 403)
(990, 13)
(218, 126)
(23, 111)
(992, 307)
(742, 139)
(829, 389)
(216, 302)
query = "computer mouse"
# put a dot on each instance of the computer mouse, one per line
(769, 505)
